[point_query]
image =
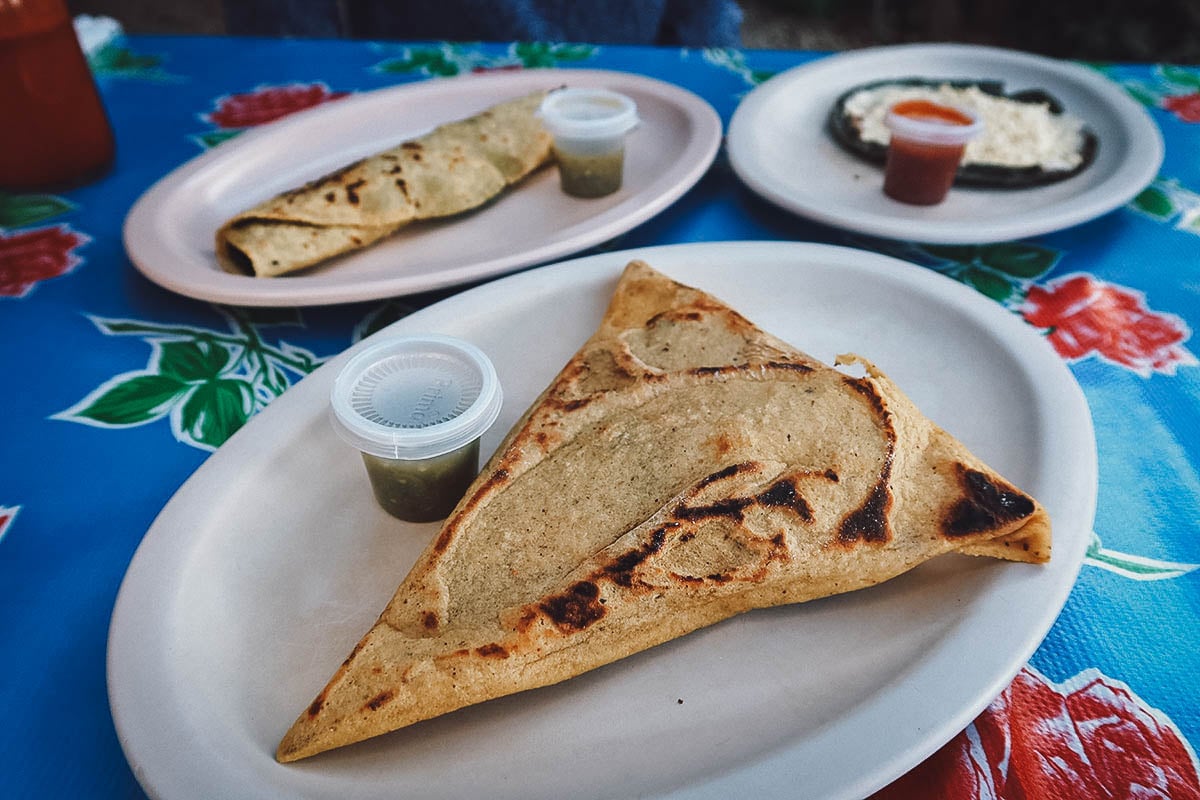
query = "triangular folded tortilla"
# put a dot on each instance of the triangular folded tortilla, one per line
(455, 168)
(682, 468)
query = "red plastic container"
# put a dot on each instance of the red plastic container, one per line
(55, 133)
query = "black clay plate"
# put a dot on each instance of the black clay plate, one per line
(846, 133)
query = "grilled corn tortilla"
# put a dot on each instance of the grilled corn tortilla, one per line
(455, 168)
(682, 468)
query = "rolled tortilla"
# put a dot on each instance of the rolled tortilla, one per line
(457, 167)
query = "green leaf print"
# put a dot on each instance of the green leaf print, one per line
(1019, 259)
(1168, 201)
(273, 381)
(987, 282)
(192, 361)
(21, 210)
(1144, 94)
(1189, 223)
(574, 52)
(432, 61)
(1180, 76)
(216, 410)
(1138, 568)
(1001, 271)
(1154, 201)
(121, 61)
(206, 382)
(134, 401)
(442, 68)
(454, 58)
(734, 60)
(213, 138)
(546, 54)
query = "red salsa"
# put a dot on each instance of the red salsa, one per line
(931, 112)
(921, 172)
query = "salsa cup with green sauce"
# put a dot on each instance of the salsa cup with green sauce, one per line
(589, 128)
(415, 407)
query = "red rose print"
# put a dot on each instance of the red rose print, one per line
(1084, 315)
(269, 103)
(1090, 737)
(7, 515)
(31, 256)
(1184, 106)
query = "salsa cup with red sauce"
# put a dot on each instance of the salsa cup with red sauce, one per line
(926, 147)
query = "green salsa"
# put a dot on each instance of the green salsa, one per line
(591, 174)
(423, 490)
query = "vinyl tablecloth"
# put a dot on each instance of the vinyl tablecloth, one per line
(115, 390)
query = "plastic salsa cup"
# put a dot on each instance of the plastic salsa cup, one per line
(415, 407)
(589, 128)
(926, 146)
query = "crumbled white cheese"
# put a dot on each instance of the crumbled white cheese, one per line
(1014, 134)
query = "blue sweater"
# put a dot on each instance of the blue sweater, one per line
(690, 23)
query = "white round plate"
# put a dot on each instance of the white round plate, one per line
(264, 570)
(779, 146)
(169, 233)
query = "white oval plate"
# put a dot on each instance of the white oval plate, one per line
(778, 145)
(266, 567)
(170, 230)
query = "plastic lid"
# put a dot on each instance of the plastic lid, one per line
(934, 131)
(415, 397)
(588, 113)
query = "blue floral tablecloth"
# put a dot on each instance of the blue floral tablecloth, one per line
(116, 390)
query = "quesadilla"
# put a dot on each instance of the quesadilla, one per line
(453, 169)
(683, 467)
(1028, 139)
